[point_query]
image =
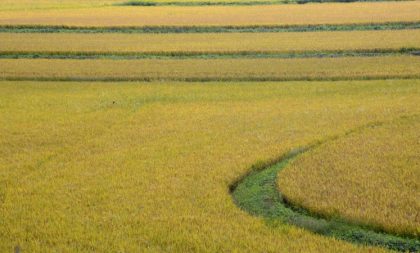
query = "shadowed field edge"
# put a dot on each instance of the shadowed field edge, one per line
(257, 193)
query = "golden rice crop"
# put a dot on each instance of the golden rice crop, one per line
(213, 69)
(132, 167)
(49, 4)
(60, 4)
(210, 42)
(326, 13)
(371, 177)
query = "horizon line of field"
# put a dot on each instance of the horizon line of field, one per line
(239, 3)
(89, 55)
(210, 29)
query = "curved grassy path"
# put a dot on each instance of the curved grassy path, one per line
(257, 193)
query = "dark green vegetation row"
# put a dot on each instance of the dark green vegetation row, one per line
(210, 29)
(257, 193)
(206, 55)
(206, 79)
(239, 3)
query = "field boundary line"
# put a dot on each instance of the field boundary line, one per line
(207, 79)
(240, 3)
(209, 29)
(204, 54)
(256, 192)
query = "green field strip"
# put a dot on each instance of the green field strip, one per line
(257, 193)
(210, 29)
(208, 79)
(238, 3)
(208, 55)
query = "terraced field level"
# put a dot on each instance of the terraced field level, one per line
(212, 69)
(227, 43)
(313, 14)
(73, 4)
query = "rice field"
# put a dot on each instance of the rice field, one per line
(82, 173)
(130, 128)
(213, 69)
(210, 43)
(327, 13)
(380, 162)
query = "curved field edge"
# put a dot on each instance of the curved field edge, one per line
(257, 193)
(369, 178)
(210, 29)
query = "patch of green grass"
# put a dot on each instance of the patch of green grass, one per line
(206, 55)
(206, 79)
(209, 29)
(257, 193)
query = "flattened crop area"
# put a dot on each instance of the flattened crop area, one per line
(125, 128)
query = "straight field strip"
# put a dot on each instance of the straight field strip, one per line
(407, 25)
(212, 69)
(9, 5)
(210, 43)
(326, 13)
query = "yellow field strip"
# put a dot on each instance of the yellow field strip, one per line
(56, 4)
(72, 4)
(215, 69)
(212, 42)
(325, 13)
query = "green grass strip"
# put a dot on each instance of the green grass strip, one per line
(206, 79)
(210, 29)
(239, 3)
(207, 55)
(257, 193)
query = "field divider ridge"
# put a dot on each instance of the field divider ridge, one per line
(209, 29)
(257, 193)
(206, 55)
(238, 3)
